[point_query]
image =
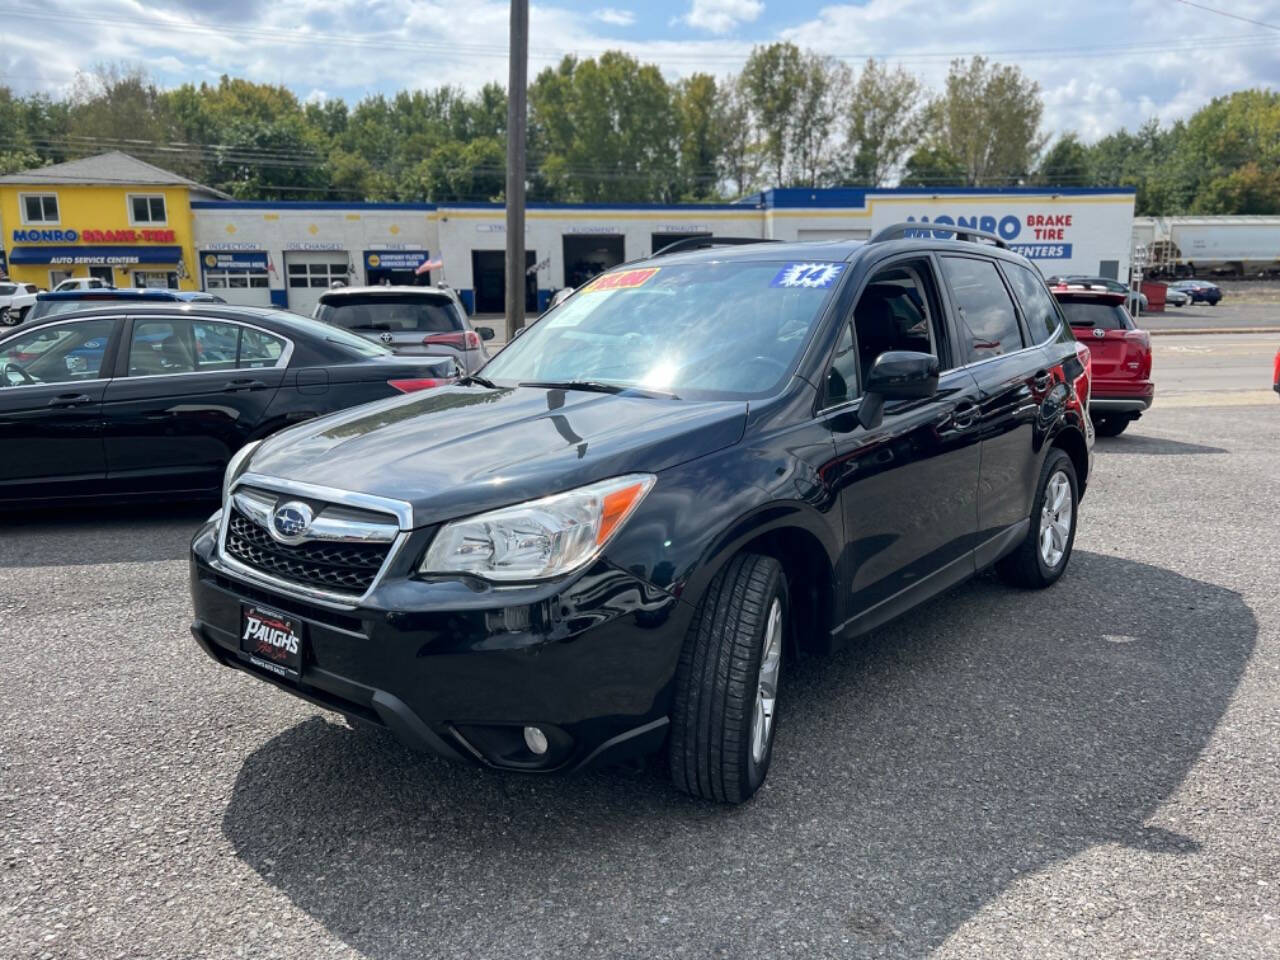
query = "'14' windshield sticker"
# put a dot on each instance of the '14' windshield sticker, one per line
(812, 276)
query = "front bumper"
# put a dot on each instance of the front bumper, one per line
(459, 669)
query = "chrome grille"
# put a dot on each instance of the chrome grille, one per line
(343, 554)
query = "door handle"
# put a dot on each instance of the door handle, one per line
(965, 415)
(234, 386)
(1043, 380)
(70, 400)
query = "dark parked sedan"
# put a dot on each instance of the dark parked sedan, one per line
(124, 401)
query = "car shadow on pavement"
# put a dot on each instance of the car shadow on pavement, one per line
(988, 735)
(1152, 446)
(101, 533)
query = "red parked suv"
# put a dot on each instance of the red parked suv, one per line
(1122, 387)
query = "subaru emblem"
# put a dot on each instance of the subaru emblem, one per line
(385, 337)
(291, 521)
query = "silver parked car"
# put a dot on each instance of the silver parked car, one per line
(412, 321)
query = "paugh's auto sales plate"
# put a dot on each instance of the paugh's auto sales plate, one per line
(272, 641)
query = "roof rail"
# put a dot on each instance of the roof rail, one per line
(698, 242)
(900, 230)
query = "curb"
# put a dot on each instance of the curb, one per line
(1202, 331)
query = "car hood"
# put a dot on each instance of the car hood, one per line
(455, 451)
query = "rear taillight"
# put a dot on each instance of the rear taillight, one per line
(460, 340)
(1275, 373)
(417, 383)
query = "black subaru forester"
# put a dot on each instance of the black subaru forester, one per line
(697, 467)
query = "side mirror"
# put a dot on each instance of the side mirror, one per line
(486, 333)
(897, 375)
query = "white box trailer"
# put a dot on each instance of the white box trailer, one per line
(1228, 246)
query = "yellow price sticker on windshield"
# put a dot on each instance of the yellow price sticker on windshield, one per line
(622, 280)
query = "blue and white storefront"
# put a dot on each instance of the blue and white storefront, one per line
(289, 253)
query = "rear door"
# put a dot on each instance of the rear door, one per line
(52, 381)
(189, 392)
(1013, 378)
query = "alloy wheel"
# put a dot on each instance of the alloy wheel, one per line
(1055, 519)
(767, 685)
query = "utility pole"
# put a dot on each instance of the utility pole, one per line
(517, 121)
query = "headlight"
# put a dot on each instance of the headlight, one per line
(539, 539)
(236, 466)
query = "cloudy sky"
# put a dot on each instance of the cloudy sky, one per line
(1102, 64)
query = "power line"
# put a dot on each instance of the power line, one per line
(1224, 13)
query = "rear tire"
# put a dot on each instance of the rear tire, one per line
(1042, 557)
(724, 717)
(1110, 426)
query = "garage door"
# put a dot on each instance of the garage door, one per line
(847, 233)
(309, 274)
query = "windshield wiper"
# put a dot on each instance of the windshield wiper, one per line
(476, 378)
(596, 386)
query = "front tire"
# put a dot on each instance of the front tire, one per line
(725, 712)
(1042, 557)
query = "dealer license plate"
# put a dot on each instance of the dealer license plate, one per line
(272, 641)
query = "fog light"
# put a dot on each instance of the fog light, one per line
(535, 740)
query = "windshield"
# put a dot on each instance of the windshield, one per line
(1100, 316)
(716, 330)
(383, 313)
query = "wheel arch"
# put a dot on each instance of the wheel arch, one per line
(1072, 442)
(797, 536)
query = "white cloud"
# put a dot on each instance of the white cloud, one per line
(721, 16)
(615, 17)
(1100, 65)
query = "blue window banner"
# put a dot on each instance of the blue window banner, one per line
(255, 260)
(96, 256)
(394, 259)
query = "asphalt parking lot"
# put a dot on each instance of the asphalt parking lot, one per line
(1092, 771)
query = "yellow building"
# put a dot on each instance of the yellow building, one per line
(111, 216)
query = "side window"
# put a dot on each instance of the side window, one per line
(986, 312)
(1037, 304)
(899, 310)
(61, 353)
(161, 347)
(215, 344)
(842, 377)
(259, 349)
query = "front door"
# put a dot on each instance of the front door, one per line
(189, 392)
(909, 487)
(51, 388)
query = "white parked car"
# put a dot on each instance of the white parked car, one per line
(15, 300)
(83, 283)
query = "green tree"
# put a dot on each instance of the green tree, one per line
(702, 136)
(933, 167)
(605, 130)
(1065, 164)
(740, 155)
(824, 87)
(885, 122)
(988, 118)
(772, 80)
